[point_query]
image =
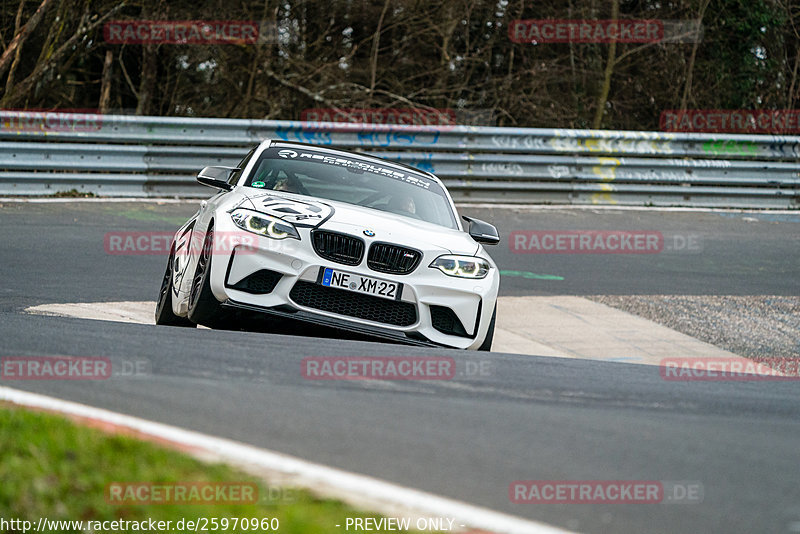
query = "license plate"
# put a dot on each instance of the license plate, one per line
(361, 284)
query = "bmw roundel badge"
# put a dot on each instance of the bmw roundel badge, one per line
(369, 233)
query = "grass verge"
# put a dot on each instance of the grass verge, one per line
(54, 468)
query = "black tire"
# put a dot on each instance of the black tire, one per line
(204, 308)
(164, 314)
(487, 342)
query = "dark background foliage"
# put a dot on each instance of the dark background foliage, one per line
(452, 54)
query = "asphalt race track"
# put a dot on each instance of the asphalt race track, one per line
(523, 418)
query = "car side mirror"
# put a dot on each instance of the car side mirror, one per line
(482, 232)
(217, 177)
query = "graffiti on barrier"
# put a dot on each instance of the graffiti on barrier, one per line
(558, 171)
(730, 148)
(584, 144)
(384, 139)
(423, 162)
(708, 163)
(304, 135)
(606, 168)
(785, 149)
(653, 175)
(505, 169)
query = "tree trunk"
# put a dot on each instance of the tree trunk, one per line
(105, 85)
(147, 84)
(687, 89)
(376, 39)
(606, 87)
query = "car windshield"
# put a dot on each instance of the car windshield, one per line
(346, 178)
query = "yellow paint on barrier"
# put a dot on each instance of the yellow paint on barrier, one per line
(606, 170)
(604, 197)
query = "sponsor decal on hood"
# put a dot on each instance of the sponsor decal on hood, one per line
(297, 212)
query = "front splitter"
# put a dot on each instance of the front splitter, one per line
(292, 314)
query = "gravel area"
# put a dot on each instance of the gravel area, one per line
(756, 327)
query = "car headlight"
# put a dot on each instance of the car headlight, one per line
(263, 224)
(462, 266)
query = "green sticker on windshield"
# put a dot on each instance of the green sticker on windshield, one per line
(258, 184)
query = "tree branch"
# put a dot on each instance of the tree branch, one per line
(375, 45)
(27, 84)
(22, 35)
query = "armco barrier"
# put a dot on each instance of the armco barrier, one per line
(158, 156)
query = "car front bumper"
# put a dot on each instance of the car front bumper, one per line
(297, 268)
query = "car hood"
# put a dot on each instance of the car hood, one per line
(311, 212)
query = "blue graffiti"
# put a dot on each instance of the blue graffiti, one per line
(385, 139)
(423, 162)
(314, 137)
(376, 139)
(421, 165)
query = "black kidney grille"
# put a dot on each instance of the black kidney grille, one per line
(352, 304)
(341, 248)
(393, 259)
(259, 283)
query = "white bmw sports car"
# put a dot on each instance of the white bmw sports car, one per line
(338, 239)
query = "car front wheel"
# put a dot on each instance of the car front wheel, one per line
(204, 308)
(164, 314)
(487, 341)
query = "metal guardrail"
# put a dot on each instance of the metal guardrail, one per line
(158, 156)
